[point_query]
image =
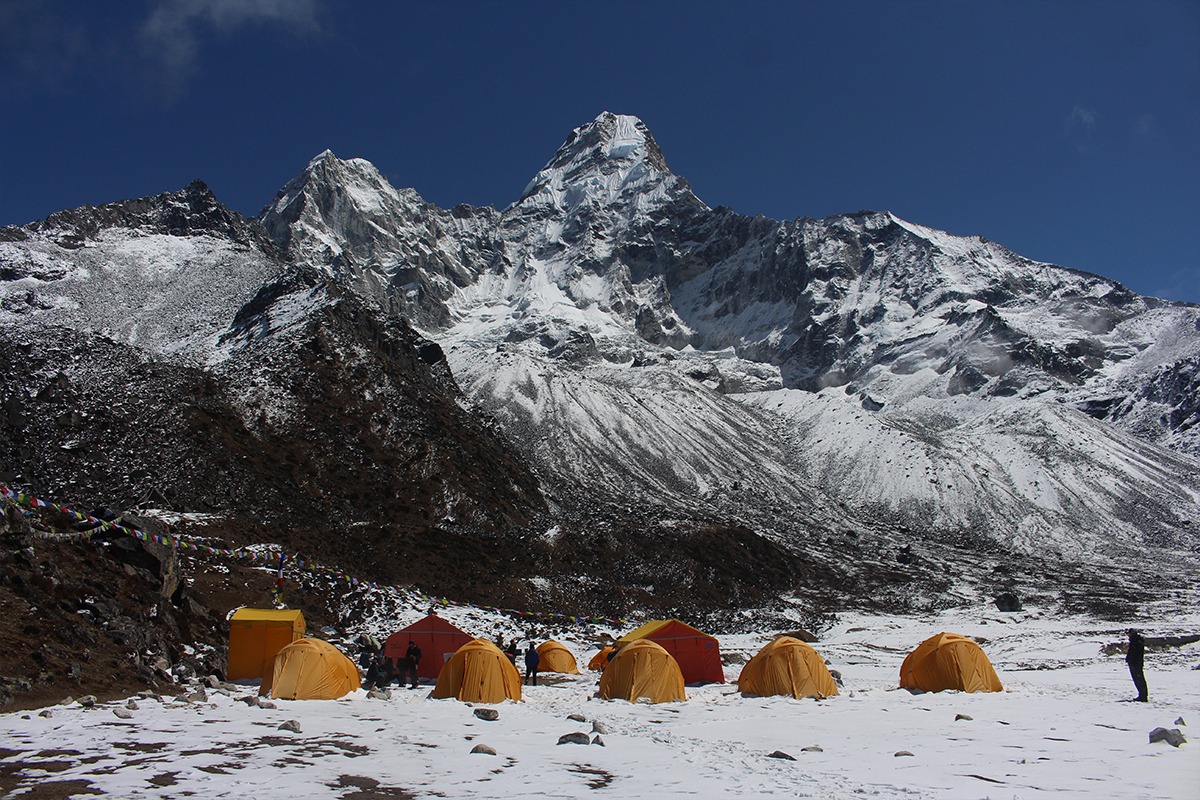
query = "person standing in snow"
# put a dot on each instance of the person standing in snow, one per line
(412, 657)
(532, 659)
(511, 652)
(1134, 656)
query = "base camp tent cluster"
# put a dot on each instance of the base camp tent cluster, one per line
(651, 664)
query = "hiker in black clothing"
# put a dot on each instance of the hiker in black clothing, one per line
(413, 657)
(1134, 657)
(532, 659)
(511, 652)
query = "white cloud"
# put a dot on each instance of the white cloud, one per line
(172, 31)
(1080, 125)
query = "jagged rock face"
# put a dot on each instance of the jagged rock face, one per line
(406, 255)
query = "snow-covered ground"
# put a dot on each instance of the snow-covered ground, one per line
(1061, 727)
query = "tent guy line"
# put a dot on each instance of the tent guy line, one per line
(283, 559)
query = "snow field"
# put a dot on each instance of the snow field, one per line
(1061, 727)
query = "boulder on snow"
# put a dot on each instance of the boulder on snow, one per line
(577, 717)
(1007, 601)
(812, 748)
(598, 727)
(957, 717)
(781, 754)
(598, 740)
(484, 748)
(1179, 721)
(574, 738)
(489, 714)
(131, 704)
(47, 714)
(900, 753)
(123, 713)
(267, 704)
(1173, 737)
(291, 725)
(87, 701)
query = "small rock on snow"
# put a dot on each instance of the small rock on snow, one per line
(46, 714)
(123, 713)
(598, 727)
(87, 701)
(266, 704)
(490, 714)
(483, 748)
(781, 754)
(957, 717)
(290, 725)
(131, 705)
(577, 717)
(812, 748)
(902, 753)
(598, 740)
(574, 738)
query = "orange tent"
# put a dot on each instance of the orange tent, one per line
(310, 669)
(436, 637)
(787, 666)
(642, 669)
(600, 660)
(949, 661)
(256, 635)
(698, 654)
(478, 673)
(555, 657)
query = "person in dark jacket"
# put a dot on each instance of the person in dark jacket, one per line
(412, 657)
(1134, 656)
(532, 659)
(511, 652)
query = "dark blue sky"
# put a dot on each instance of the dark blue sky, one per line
(1068, 131)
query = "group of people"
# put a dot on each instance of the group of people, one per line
(380, 672)
(532, 658)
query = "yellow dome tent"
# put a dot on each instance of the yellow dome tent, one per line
(310, 669)
(555, 657)
(600, 660)
(642, 669)
(478, 673)
(787, 666)
(255, 636)
(949, 661)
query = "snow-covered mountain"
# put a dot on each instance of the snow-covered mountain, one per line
(616, 378)
(635, 342)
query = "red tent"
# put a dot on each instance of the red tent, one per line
(698, 654)
(436, 637)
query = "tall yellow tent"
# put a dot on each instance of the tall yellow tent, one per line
(256, 635)
(949, 661)
(555, 657)
(642, 669)
(787, 666)
(310, 669)
(478, 673)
